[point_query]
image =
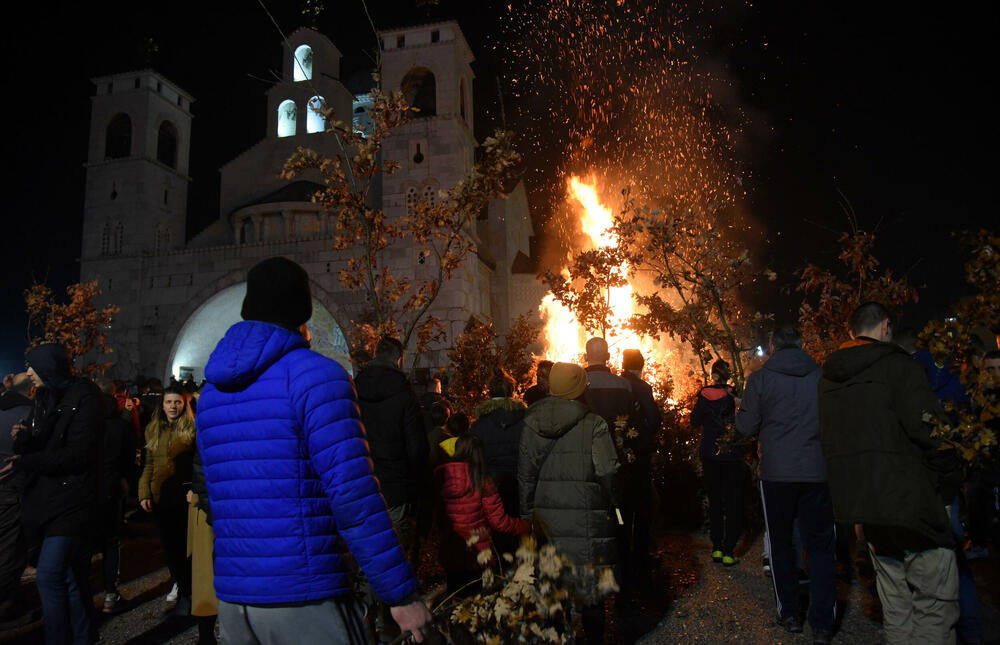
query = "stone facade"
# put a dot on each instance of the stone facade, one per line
(177, 295)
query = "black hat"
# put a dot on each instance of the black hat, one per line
(51, 362)
(278, 293)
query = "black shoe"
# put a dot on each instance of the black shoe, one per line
(792, 624)
(822, 636)
(182, 608)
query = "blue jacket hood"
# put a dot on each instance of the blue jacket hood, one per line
(248, 348)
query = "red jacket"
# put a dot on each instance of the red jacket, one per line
(468, 511)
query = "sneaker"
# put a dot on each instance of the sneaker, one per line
(111, 601)
(792, 624)
(729, 560)
(717, 555)
(767, 564)
(172, 596)
(975, 552)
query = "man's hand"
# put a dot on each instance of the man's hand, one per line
(8, 467)
(414, 618)
(17, 429)
(146, 505)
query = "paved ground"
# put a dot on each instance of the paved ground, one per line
(689, 599)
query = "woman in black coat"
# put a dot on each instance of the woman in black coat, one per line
(59, 455)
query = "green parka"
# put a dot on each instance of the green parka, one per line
(571, 487)
(884, 467)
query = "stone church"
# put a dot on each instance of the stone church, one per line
(179, 295)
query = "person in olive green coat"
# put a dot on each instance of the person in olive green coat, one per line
(567, 467)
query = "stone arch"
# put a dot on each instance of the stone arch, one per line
(420, 90)
(200, 325)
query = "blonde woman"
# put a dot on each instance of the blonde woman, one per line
(165, 481)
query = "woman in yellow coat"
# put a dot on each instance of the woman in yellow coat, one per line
(201, 549)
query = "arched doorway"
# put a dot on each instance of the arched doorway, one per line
(209, 322)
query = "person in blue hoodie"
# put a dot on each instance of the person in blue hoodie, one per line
(290, 481)
(781, 405)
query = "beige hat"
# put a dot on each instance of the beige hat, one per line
(567, 381)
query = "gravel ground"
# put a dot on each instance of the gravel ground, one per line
(736, 605)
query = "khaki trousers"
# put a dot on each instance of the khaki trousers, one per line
(919, 597)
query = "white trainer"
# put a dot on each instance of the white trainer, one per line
(172, 596)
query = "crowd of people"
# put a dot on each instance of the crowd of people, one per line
(293, 502)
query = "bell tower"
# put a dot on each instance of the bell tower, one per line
(137, 168)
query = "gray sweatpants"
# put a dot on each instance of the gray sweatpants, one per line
(337, 621)
(919, 597)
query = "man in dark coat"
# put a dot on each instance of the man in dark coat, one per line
(117, 466)
(499, 422)
(611, 397)
(639, 473)
(396, 433)
(887, 473)
(15, 410)
(60, 456)
(780, 406)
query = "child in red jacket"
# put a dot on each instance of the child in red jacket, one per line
(471, 509)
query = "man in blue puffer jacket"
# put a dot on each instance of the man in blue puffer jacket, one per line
(290, 480)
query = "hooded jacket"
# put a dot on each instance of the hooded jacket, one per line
(713, 412)
(60, 457)
(780, 405)
(395, 429)
(570, 486)
(470, 512)
(499, 424)
(884, 468)
(288, 475)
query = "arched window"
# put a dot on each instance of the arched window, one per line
(286, 118)
(303, 63)
(248, 232)
(118, 140)
(411, 198)
(420, 90)
(461, 99)
(316, 116)
(106, 239)
(166, 144)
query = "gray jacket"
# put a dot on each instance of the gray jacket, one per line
(781, 405)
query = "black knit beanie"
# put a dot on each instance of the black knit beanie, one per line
(51, 362)
(278, 293)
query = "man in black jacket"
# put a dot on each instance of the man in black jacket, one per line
(15, 410)
(60, 456)
(780, 405)
(396, 434)
(639, 474)
(887, 473)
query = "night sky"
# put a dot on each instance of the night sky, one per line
(885, 105)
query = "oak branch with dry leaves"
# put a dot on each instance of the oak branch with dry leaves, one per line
(77, 324)
(439, 231)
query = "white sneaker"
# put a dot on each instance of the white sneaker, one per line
(172, 596)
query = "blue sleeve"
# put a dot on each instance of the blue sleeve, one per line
(324, 397)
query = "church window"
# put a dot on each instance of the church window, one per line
(138, 83)
(303, 63)
(247, 232)
(420, 91)
(166, 196)
(111, 88)
(435, 36)
(429, 194)
(159, 86)
(286, 118)
(316, 118)
(180, 101)
(400, 41)
(411, 198)
(166, 144)
(118, 139)
(106, 239)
